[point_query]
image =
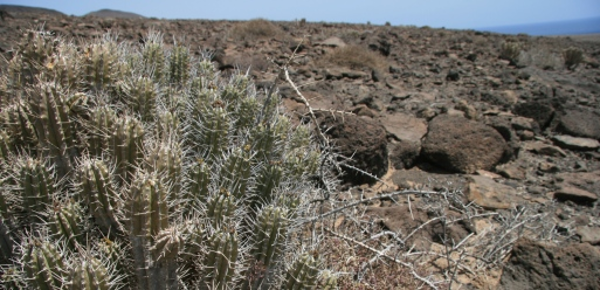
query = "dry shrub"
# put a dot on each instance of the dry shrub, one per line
(354, 57)
(256, 29)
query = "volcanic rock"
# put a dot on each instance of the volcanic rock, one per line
(462, 145)
(360, 138)
(538, 265)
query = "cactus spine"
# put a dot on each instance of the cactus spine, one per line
(99, 194)
(220, 261)
(44, 267)
(146, 168)
(303, 274)
(89, 274)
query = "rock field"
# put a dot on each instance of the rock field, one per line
(431, 110)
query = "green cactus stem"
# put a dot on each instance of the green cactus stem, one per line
(44, 267)
(163, 270)
(179, 65)
(98, 193)
(270, 234)
(65, 224)
(220, 208)
(220, 262)
(89, 274)
(328, 281)
(127, 146)
(147, 213)
(236, 172)
(37, 189)
(199, 183)
(53, 125)
(165, 161)
(99, 130)
(154, 56)
(303, 274)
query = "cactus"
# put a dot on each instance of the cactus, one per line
(236, 172)
(127, 146)
(34, 51)
(165, 251)
(89, 274)
(6, 243)
(15, 119)
(573, 56)
(65, 224)
(303, 274)
(141, 96)
(44, 266)
(99, 194)
(164, 167)
(53, 126)
(114, 254)
(220, 208)
(154, 56)
(328, 281)
(200, 180)
(5, 145)
(147, 213)
(510, 51)
(99, 129)
(100, 65)
(220, 261)
(37, 189)
(165, 160)
(270, 232)
(210, 130)
(268, 180)
(179, 65)
(167, 127)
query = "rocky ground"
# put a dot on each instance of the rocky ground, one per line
(500, 159)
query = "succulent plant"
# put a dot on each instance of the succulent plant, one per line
(65, 224)
(37, 189)
(220, 261)
(573, 56)
(44, 266)
(144, 168)
(89, 274)
(303, 274)
(510, 51)
(127, 146)
(99, 194)
(53, 125)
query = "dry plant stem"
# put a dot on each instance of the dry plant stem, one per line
(382, 254)
(362, 201)
(305, 101)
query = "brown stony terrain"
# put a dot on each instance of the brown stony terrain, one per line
(502, 158)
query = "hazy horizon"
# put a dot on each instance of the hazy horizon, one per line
(494, 16)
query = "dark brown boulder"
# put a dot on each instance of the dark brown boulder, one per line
(539, 111)
(361, 138)
(461, 145)
(537, 265)
(580, 123)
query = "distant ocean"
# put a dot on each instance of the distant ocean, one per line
(571, 27)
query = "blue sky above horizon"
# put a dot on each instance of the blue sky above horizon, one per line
(454, 14)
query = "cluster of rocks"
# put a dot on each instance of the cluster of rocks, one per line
(445, 112)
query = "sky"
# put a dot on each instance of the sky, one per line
(454, 14)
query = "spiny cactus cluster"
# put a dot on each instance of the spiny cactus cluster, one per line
(127, 167)
(573, 56)
(510, 51)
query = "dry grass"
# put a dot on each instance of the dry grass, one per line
(257, 29)
(354, 57)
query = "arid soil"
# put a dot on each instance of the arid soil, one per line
(503, 153)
